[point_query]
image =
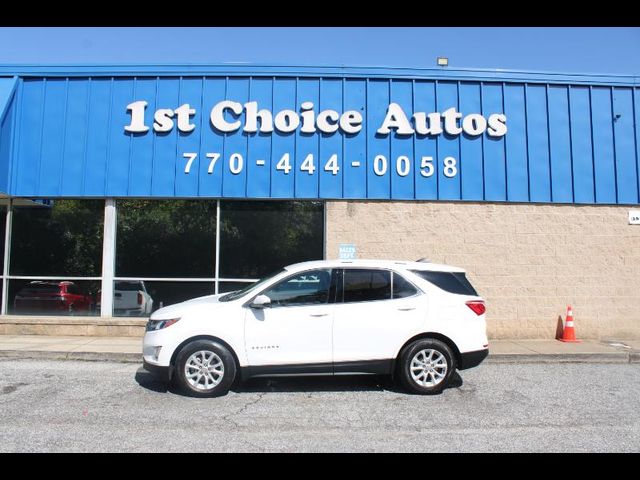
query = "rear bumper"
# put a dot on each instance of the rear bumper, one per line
(164, 374)
(472, 359)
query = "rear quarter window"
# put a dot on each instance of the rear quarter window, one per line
(402, 288)
(452, 282)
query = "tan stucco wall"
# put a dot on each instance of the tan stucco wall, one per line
(528, 261)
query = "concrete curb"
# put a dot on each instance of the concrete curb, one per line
(128, 357)
(622, 357)
(120, 357)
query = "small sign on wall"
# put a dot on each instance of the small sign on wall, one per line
(634, 217)
(348, 251)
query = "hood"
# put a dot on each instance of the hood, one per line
(179, 309)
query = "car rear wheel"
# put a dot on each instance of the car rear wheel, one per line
(426, 366)
(205, 368)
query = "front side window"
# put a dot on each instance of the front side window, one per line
(366, 285)
(308, 288)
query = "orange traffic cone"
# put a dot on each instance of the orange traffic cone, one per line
(569, 333)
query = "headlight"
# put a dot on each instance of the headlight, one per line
(153, 325)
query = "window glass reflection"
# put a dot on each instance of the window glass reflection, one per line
(364, 285)
(402, 288)
(225, 287)
(54, 297)
(166, 238)
(260, 237)
(140, 299)
(131, 298)
(308, 288)
(3, 227)
(57, 237)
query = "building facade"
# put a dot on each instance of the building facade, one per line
(128, 188)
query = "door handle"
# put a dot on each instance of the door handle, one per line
(406, 309)
(318, 314)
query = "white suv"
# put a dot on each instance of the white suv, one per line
(416, 321)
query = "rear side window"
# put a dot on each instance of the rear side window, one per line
(362, 285)
(452, 282)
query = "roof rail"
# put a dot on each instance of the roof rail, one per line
(423, 260)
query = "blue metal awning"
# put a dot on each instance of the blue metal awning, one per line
(324, 133)
(7, 87)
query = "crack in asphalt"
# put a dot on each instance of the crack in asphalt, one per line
(13, 387)
(242, 409)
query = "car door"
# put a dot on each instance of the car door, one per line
(296, 328)
(377, 311)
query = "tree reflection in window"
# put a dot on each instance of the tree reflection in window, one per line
(263, 236)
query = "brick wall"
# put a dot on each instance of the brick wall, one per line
(528, 261)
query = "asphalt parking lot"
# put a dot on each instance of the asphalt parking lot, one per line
(80, 406)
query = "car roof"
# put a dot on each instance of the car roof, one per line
(371, 263)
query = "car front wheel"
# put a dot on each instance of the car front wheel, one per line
(426, 366)
(205, 368)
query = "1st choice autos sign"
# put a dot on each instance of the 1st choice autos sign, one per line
(230, 117)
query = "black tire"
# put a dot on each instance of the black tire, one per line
(203, 390)
(442, 352)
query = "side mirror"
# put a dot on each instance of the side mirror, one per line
(261, 301)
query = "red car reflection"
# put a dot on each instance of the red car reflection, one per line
(52, 297)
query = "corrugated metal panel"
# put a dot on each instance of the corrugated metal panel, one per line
(7, 112)
(495, 177)
(565, 143)
(299, 71)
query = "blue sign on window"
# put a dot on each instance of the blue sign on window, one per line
(348, 251)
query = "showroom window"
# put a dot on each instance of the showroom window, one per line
(163, 251)
(55, 260)
(258, 238)
(168, 250)
(4, 205)
(166, 238)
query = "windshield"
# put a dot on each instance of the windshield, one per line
(252, 286)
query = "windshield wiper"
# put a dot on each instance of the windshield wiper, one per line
(228, 296)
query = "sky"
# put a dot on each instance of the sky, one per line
(601, 50)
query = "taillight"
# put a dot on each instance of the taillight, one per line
(139, 298)
(477, 306)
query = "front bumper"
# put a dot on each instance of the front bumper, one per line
(164, 374)
(472, 359)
